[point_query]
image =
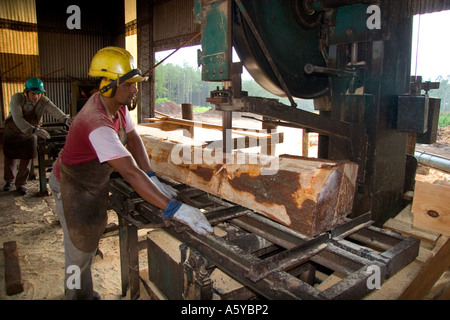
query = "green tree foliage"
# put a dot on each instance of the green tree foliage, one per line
(183, 84)
(443, 93)
(444, 119)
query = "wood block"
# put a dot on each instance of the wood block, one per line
(308, 195)
(403, 222)
(431, 207)
(13, 278)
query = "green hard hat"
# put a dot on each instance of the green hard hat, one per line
(34, 85)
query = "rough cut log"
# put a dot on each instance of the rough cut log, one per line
(308, 195)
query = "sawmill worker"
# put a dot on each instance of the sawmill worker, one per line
(94, 148)
(22, 131)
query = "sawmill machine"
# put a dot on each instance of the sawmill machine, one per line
(352, 58)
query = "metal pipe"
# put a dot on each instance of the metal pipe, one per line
(310, 69)
(433, 161)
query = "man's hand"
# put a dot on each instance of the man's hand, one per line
(194, 218)
(41, 133)
(190, 216)
(67, 121)
(165, 188)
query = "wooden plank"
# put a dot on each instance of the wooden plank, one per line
(244, 142)
(444, 293)
(430, 273)
(431, 207)
(305, 194)
(13, 277)
(204, 125)
(441, 289)
(417, 278)
(403, 222)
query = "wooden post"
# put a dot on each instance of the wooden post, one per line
(305, 142)
(187, 113)
(2, 111)
(13, 278)
(146, 59)
(271, 128)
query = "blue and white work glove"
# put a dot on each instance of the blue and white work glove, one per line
(165, 188)
(187, 215)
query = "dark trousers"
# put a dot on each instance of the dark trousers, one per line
(22, 173)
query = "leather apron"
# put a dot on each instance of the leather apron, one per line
(16, 144)
(84, 192)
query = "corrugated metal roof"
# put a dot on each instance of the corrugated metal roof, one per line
(18, 47)
(173, 23)
(414, 7)
(18, 10)
(428, 6)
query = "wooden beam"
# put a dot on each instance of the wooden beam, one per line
(13, 278)
(201, 124)
(308, 195)
(253, 141)
(430, 272)
(258, 136)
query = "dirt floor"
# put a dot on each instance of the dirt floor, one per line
(32, 222)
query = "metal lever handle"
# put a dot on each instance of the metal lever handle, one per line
(310, 69)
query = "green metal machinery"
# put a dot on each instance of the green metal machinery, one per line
(351, 57)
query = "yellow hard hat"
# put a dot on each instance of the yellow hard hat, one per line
(117, 65)
(113, 63)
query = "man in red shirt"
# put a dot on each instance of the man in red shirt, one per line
(94, 148)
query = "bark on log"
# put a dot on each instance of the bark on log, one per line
(308, 195)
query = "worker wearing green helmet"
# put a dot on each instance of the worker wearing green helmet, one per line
(34, 85)
(22, 131)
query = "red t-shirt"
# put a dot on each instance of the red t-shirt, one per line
(78, 149)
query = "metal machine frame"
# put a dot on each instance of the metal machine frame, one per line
(271, 260)
(361, 111)
(48, 151)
